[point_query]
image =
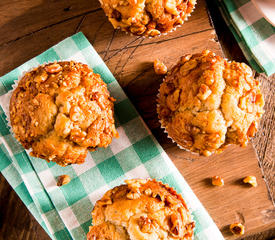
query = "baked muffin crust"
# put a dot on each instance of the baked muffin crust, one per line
(141, 210)
(60, 110)
(206, 103)
(147, 17)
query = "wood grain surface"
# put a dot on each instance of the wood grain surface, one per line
(29, 27)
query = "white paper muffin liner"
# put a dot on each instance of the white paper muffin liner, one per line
(5, 100)
(165, 131)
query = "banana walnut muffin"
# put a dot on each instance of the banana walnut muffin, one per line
(141, 210)
(147, 17)
(60, 110)
(206, 103)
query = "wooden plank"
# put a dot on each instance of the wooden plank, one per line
(19, 18)
(129, 63)
(235, 201)
(16, 222)
(17, 52)
(98, 30)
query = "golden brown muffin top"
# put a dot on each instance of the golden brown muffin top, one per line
(147, 17)
(61, 109)
(141, 210)
(206, 102)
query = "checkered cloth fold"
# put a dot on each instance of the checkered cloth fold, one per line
(64, 212)
(255, 35)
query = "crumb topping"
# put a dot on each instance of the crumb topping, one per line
(147, 17)
(60, 110)
(206, 103)
(156, 212)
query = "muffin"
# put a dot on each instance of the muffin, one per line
(207, 102)
(147, 17)
(60, 110)
(141, 210)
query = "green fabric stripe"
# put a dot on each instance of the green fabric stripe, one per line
(233, 5)
(5, 160)
(248, 37)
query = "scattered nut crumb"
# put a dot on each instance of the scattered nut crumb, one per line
(251, 180)
(63, 179)
(237, 228)
(159, 67)
(217, 181)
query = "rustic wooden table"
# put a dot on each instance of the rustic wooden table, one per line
(29, 27)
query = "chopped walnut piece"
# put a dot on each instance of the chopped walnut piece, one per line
(159, 67)
(251, 180)
(104, 202)
(135, 184)
(62, 125)
(145, 224)
(237, 228)
(148, 191)
(173, 100)
(53, 68)
(188, 65)
(252, 129)
(185, 58)
(76, 114)
(169, 201)
(63, 179)
(133, 195)
(41, 78)
(217, 181)
(77, 135)
(153, 32)
(204, 92)
(175, 224)
(158, 196)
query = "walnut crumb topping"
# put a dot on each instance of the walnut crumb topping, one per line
(147, 18)
(60, 110)
(141, 207)
(206, 103)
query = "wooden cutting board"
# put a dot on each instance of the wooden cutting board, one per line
(130, 60)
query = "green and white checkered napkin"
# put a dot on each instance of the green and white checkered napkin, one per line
(255, 36)
(64, 212)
